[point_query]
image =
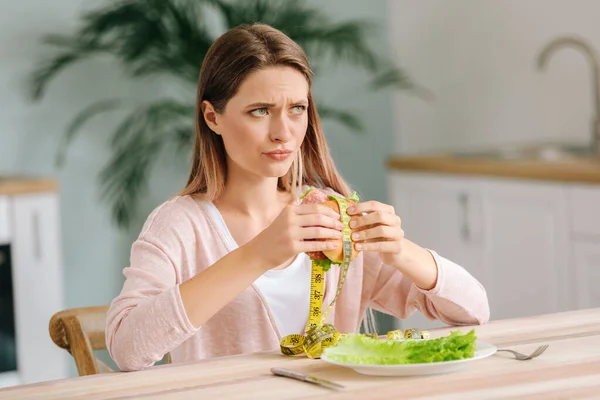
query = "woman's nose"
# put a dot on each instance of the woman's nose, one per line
(280, 130)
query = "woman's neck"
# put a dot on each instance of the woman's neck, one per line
(257, 197)
(249, 204)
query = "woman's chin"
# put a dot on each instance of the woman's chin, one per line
(276, 171)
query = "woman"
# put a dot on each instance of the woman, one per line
(221, 268)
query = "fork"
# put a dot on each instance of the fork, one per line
(522, 357)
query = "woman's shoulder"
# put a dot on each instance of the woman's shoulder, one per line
(178, 213)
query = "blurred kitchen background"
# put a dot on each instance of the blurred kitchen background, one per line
(485, 145)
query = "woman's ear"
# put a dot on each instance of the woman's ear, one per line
(210, 116)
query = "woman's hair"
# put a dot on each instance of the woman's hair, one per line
(230, 59)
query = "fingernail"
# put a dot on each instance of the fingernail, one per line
(338, 233)
(351, 209)
(359, 246)
(339, 225)
(332, 244)
(353, 224)
(355, 236)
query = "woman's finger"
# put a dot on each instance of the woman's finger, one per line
(317, 232)
(375, 218)
(369, 207)
(317, 245)
(319, 220)
(378, 232)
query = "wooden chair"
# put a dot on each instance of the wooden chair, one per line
(81, 331)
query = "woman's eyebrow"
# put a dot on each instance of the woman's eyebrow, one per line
(269, 105)
(260, 105)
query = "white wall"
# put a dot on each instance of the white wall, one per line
(478, 57)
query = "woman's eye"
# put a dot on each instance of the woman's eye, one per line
(259, 112)
(298, 109)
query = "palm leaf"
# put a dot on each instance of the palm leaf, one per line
(42, 75)
(345, 118)
(244, 12)
(125, 179)
(183, 137)
(397, 78)
(136, 143)
(152, 119)
(173, 42)
(84, 116)
(317, 34)
(343, 42)
(146, 36)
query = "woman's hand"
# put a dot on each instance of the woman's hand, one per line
(380, 230)
(298, 229)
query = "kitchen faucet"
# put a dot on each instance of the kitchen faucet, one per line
(592, 55)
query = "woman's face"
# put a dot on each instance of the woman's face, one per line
(264, 124)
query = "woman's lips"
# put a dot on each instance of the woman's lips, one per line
(279, 155)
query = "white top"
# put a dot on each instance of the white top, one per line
(286, 291)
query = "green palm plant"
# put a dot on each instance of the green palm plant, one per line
(170, 38)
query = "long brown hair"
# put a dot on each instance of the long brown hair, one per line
(234, 55)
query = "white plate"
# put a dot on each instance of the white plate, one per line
(482, 350)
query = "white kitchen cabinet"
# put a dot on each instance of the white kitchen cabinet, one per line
(38, 285)
(584, 207)
(440, 214)
(525, 248)
(586, 273)
(30, 227)
(513, 236)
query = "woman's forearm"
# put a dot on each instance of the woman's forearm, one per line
(419, 264)
(213, 288)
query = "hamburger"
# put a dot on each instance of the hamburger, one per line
(333, 256)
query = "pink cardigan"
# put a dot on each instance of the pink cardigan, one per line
(178, 240)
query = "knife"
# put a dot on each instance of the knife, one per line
(306, 378)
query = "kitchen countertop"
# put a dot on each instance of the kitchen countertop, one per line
(570, 368)
(20, 185)
(583, 170)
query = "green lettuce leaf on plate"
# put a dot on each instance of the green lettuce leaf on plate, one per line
(361, 349)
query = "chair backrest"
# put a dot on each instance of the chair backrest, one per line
(81, 331)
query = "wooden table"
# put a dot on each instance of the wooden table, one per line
(570, 368)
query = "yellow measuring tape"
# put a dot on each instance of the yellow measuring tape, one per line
(319, 335)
